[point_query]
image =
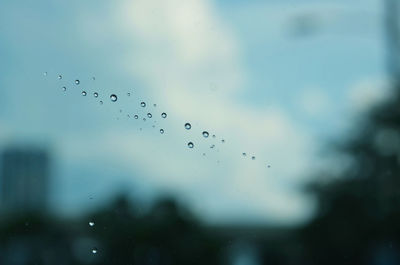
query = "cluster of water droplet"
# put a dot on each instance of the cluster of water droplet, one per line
(149, 115)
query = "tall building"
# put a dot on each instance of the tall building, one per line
(24, 180)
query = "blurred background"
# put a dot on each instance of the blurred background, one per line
(293, 150)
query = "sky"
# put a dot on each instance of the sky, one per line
(274, 79)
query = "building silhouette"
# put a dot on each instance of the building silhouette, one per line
(24, 180)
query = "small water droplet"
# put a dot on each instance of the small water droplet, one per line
(213, 136)
(161, 131)
(144, 119)
(253, 158)
(140, 129)
(149, 115)
(95, 94)
(212, 146)
(268, 166)
(164, 115)
(94, 250)
(93, 78)
(204, 154)
(190, 145)
(64, 88)
(153, 126)
(205, 134)
(84, 93)
(113, 97)
(136, 117)
(127, 115)
(91, 223)
(188, 126)
(59, 77)
(154, 105)
(222, 141)
(101, 102)
(143, 104)
(244, 154)
(45, 73)
(120, 111)
(77, 82)
(128, 94)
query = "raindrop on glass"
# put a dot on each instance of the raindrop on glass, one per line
(190, 145)
(136, 117)
(268, 166)
(222, 141)
(188, 126)
(64, 88)
(204, 154)
(154, 105)
(149, 115)
(213, 136)
(94, 250)
(205, 134)
(59, 77)
(113, 97)
(212, 146)
(91, 223)
(253, 158)
(95, 94)
(93, 78)
(164, 115)
(144, 119)
(84, 93)
(128, 94)
(45, 73)
(101, 102)
(120, 111)
(143, 104)
(244, 154)
(161, 131)
(77, 82)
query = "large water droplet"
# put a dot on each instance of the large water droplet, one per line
(84, 93)
(188, 126)
(136, 117)
(59, 77)
(190, 145)
(94, 250)
(113, 97)
(77, 82)
(143, 104)
(149, 115)
(95, 94)
(161, 131)
(91, 223)
(64, 88)
(164, 115)
(205, 134)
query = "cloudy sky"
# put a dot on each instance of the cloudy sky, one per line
(274, 79)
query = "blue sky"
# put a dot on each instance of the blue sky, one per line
(239, 69)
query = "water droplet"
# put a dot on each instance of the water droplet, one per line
(161, 131)
(136, 117)
(59, 77)
(113, 97)
(268, 166)
(253, 158)
(222, 141)
(143, 104)
(188, 126)
(204, 154)
(164, 115)
(127, 115)
(154, 105)
(212, 146)
(153, 126)
(140, 129)
(77, 82)
(93, 78)
(213, 136)
(149, 115)
(101, 102)
(128, 94)
(191, 145)
(94, 250)
(205, 134)
(84, 93)
(244, 154)
(91, 223)
(144, 119)
(45, 73)
(120, 111)
(64, 88)
(95, 94)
